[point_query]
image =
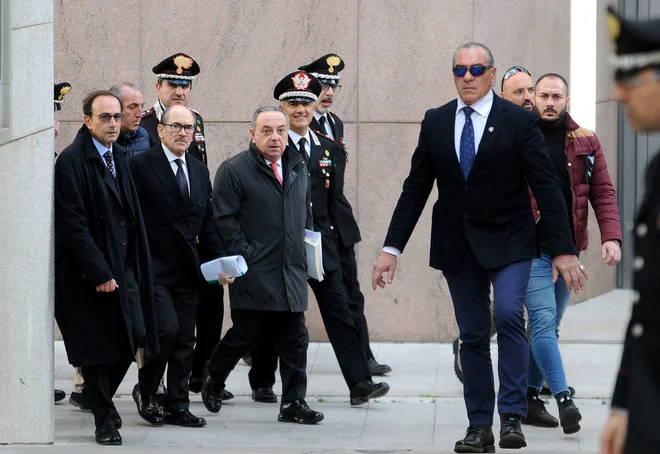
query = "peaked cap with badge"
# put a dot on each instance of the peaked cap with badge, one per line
(61, 89)
(298, 86)
(636, 44)
(178, 69)
(326, 69)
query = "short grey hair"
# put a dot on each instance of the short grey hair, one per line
(489, 55)
(263, 109)
(118, 89)
(166, 114)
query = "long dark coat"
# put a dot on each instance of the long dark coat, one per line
(265, 223)
(92, 219)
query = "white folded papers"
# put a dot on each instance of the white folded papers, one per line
(232, 266)
(314, 253)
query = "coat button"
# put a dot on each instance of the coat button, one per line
(637, 330)
(641, 230)
(636, 297)
(124, 242)
(190, 224)
(465, 216)
(569, 164)
(123, 223)
(638, 263)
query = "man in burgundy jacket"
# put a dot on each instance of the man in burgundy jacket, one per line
(579, 163)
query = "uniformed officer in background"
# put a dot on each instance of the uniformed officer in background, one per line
(174, 85)
(632, 426)
(347, 233)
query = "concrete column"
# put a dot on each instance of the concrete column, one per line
(26, 219)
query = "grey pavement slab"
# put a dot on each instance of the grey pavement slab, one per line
(424, 412)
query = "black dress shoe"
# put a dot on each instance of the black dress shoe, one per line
(226, 395)
(569, 415)
(80, 400)
(378, 369)
(211, 393)
(59, 395)
(116, 420)
(478, 438)
(184, 418)
(298, 412)
(264, 395)
(511, 435)
(108, 435)
(366, 389)
(148, 409)
(537, 415)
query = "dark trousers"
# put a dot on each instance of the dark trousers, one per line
(470, 292)
(643, 404)
(340, 326)
(102, 380)
(175, 308)
(210, 312)
(355, 296)
(285, 333)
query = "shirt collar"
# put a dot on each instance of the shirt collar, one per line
(318, 116)
(482, 106)
(100, 147)
(279, 162)
(171, 157)
(296, 137)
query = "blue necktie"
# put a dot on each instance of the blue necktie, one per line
(467, 151)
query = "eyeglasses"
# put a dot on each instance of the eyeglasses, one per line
(105, 117)
(176, 127)
(475, 70)
(589, 160)
(326, 87)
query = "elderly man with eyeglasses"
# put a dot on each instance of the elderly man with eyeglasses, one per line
(579, 163)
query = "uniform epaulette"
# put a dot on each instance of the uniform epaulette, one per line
(146, 113)
(195, 112)
(324, 136)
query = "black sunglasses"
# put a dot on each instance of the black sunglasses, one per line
(475, 70)
(589, 160)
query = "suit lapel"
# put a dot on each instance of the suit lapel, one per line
(163, 171)
(93, 153)
(494, 122)
(196, 177)
(448, 122)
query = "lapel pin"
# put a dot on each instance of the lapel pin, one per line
(491, 129)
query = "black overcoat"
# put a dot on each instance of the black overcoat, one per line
(98, 225)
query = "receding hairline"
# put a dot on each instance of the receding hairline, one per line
(555, 76)
(504, 82)
(284, 115)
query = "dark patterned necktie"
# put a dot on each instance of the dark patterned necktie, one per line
(110, 163)
(181, 179)
(322, 122)
(303, 150)
(467, 152)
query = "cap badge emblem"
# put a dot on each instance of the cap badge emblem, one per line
(332, 61)
(301, 81)
(182, 62)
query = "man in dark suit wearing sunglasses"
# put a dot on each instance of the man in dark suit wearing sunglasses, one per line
(482, 151)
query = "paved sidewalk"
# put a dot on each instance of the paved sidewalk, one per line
(424, 413)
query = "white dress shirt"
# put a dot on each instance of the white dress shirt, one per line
(295, 137)
(102, 149)
(279, 167)
(171, 157)
(327, 123)
(479, 116)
